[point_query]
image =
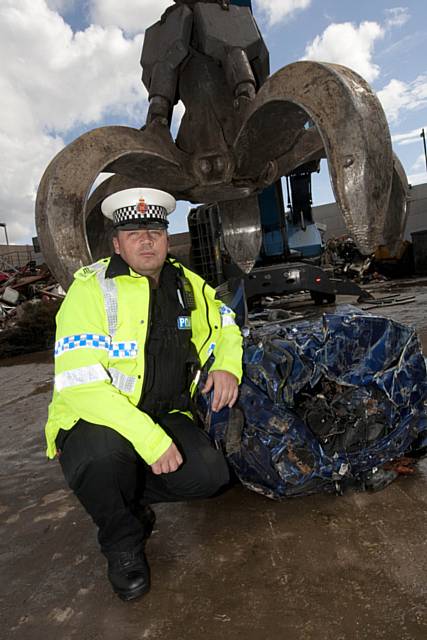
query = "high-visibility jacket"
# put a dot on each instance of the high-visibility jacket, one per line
(102, 328)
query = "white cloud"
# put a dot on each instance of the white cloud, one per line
(25, 154)
(278, 10)
(419, 163)
(417, 178)
(349, 45)
(394, 97)
(132, 16)
(409, 137)
(61, 6)
(51, 81)
(178, 112)
(398, 96)
(135, 16)
(353, 46)
(397, 16)
(102, 177)
(418, 169)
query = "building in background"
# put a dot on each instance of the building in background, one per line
(329, 215)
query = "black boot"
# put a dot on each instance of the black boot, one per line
(129, 573)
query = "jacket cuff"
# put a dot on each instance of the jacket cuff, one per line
(154, 448)
(230, 367)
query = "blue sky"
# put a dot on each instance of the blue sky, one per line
(71, 65)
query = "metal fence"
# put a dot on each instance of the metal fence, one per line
(15, 259)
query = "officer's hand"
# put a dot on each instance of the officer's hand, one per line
(225, 389)
(169, 461)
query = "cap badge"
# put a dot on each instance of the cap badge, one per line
(142, 207)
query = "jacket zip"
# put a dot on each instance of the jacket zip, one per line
(208, 322)
(150, 310)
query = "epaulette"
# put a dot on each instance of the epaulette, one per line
(85, 273)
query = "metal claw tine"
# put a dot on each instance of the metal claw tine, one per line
(351, 123)
(65, 187)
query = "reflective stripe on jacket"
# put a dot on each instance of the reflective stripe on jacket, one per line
(99, 353)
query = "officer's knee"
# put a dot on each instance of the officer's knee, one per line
(92, 451)
(216, 474)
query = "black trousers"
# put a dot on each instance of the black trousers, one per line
(112, 481)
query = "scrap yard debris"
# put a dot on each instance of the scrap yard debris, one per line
(29, 301)
(325, 405)
(387, 301)
(343, 257)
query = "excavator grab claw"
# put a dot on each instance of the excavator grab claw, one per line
(241, 131)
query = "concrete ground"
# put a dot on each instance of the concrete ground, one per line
(236, 566)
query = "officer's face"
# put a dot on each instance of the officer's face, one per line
(144, 250)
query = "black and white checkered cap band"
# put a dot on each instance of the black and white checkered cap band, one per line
(131, 214)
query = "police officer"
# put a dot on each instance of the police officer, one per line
(133, 333)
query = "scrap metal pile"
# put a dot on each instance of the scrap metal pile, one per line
(29, 300)
(325, 405)
(344, 258)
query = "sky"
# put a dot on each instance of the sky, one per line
(68, 66)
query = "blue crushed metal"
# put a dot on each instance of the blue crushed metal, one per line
(324, 405)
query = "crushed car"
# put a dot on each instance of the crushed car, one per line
(325, 405)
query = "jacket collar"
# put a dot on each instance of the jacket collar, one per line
(118, 267)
